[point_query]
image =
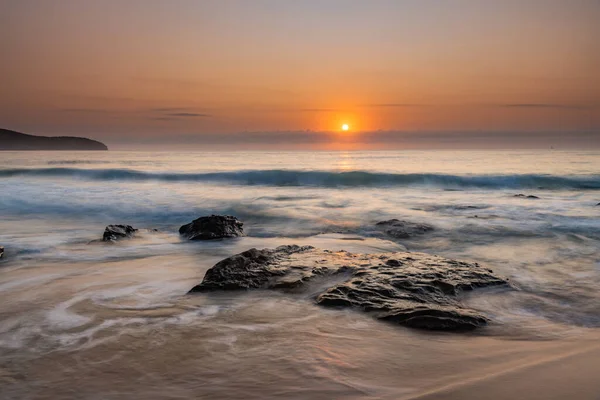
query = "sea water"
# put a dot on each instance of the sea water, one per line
(84, 319)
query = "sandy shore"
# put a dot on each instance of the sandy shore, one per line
(564, 369)
(123, 328)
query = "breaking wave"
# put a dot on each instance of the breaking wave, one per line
(321, 178)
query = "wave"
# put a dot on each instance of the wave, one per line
(321, 178)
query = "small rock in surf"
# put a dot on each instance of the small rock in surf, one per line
(1, 251)
(112, 233)
(403, 229)
(521, 195)
(411, 289)
(212, 227)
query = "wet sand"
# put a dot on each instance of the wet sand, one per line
(531, 370)
(125, 328)
(265, 364)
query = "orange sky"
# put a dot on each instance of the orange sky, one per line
(169, 72)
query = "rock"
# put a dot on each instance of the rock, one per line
(412, 289)
(597, 204)
(213, 227)
(1, 251)
(521, 195)
(112, 233)
(403, 229)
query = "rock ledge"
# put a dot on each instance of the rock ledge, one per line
(412, 289)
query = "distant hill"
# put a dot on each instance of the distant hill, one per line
(11, 140)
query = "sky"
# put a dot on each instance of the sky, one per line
(289, 73)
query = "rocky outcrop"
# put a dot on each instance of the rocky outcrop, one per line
(412, 289)
(212, 227)
(1, 251)
(403, 229)
(521, 195)
(112, 233)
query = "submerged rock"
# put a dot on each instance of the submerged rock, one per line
(412, 289)
(521, 195)
(212, 227)
(490, 216)
(1, 251)
(112, 233)
(403, 229)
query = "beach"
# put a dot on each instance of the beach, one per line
(82, 318)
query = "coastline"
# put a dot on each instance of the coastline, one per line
(81, 318)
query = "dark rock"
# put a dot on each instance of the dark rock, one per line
(521, 195)
(1, 251)
(112, 233)
(597, 204)
(212, 227)
(412, 289)
(403, 229)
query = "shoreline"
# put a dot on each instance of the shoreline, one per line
(555, 369)
(83, 319)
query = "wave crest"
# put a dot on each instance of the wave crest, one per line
(321, 178)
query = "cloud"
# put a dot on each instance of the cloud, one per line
(295, 140)
(395, 105)
(561, 106)
(164, 113)
(168, 109)
(86, 110)
(174, 113)
(547, 106)
(187, 114)
(156, 114)
(319, 110)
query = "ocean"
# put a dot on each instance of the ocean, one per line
(87, 320)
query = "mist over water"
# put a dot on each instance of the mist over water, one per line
(118, 315)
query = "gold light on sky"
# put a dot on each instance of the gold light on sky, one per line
(159, 72)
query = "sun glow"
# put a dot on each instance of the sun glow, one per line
(345, 127)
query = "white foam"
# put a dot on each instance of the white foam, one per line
(61, 318)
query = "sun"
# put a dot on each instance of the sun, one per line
(345, 127)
